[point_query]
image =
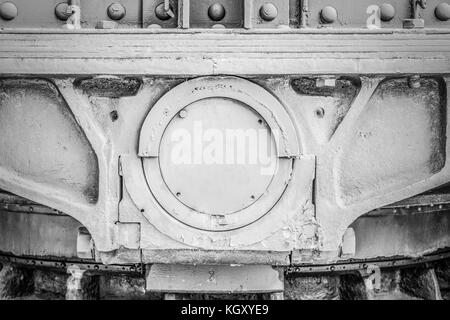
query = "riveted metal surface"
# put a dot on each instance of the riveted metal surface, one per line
(231, 16)
(153, 11)
(41, 14)
(360, 14)
(347, 96)
(267, 14)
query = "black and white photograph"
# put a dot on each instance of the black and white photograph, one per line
(236, 156)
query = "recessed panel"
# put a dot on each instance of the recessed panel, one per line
(216, 156)
(399, 140)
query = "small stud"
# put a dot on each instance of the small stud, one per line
(62, 11)
(268, 12)
(328, 14)
(8, 10)
(442, 11)
(387, 12)
(116, 11)
(216, 12)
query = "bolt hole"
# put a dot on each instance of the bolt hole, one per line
(260, 121)
(114, 115)
(142, 210)
(320, 113)
(178, 194)
(253, 197)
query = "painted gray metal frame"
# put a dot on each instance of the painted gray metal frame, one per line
(189, 53)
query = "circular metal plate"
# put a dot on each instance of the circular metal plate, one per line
(193, 176)
(218, 156)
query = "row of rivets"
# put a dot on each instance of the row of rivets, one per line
(267, 12)
(329, 14)
(217, 12)
(115, 11)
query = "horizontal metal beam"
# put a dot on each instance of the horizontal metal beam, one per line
(173, 54)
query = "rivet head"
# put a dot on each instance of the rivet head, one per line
(328, 14)
(161, 13)
(8, 11)
(216, 12)
(116, 11)
(62, 12)
(268, 12)
(442, 11)
(387, 12)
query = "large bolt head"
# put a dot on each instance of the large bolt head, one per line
(216, 12)
(62, 12)
(442, 11)
(8, 11)
(116, 11)
(268, 12)
(161, 13)
(387, 12)
(328, 14)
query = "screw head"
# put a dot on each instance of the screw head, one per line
(116, 11)
(161, 13)
(8, 11)
(183, 114)
(62, 12)
(216, 12)
(387, 12)
(328, 14)
(442, 11)
(268, 12)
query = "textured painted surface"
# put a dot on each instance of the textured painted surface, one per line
(41, 140)
(325, 121)
(347, 136)
(38, 235)
(214, 279)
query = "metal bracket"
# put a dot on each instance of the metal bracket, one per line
(74, 21)
(372, 277)
(129, 235)
(415, 22)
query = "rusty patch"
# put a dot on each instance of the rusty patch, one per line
(109, 87)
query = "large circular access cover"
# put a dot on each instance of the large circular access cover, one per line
(217, 153)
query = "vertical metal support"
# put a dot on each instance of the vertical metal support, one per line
(248, 14)
(81, 286)
(74, 21)
(415, 22)
(304, 13)
(184, 14)
(372, 279)
(85, 244)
